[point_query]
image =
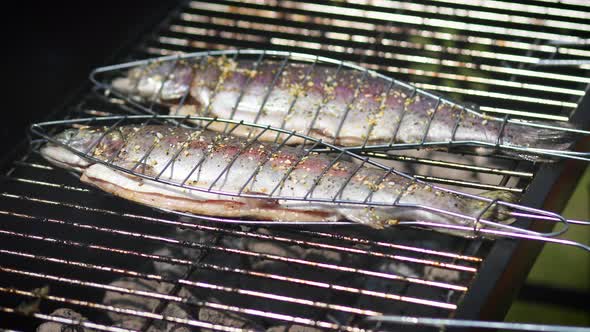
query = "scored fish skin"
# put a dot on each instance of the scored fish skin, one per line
(213, 152)
(345, 107)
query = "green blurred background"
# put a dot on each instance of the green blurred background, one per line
(562, 267)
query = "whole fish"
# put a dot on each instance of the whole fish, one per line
(287, 183)
(343, 106)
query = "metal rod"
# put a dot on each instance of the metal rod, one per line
(64, 320)
(119, 310)
(349, 104)
(173, 298)
(190, 244)
(270, 87)
(382, 106)
(325, 98)
(430, 119)
(449, 322)
(401, 117)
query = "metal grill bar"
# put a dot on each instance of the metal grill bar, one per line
(136, 313)
(172, 260)
(221, 288)
(179, 299)
(233, 232)
(503, 66)
(250, 14)
(356, 32)
(189, 244)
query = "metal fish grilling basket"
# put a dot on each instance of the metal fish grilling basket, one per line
(339, 102)
(474, 224)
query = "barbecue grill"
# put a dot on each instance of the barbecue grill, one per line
(117, 266)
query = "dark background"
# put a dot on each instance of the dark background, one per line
(50, 47)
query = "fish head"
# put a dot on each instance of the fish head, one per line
(62, 150)
(165, 81)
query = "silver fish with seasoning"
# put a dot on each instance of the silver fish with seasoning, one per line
(343, 106)
(232, 166)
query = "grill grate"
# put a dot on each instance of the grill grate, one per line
(112, 261)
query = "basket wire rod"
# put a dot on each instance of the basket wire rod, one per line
(158, 96)
(325, 98)
(304, 81)
(269, 88)
(244, 87)
(349, 104)
(218, 87)
(62, 320)
(456, 126)
(535, 216)
(401, 117)
(183, 146)
(481, 214)
(236, 156)
(203, 64)
(373, 189)
(203, 158)
(102, 136)
(348, 178)
(466, 323)
(320, 177)
(517, 235)
(430, 119)
(172, 160)
(116, 153)
(382, 106)
(145, 156)
(186, 94)
(261, 163)
(500, 138)
(401, 194)
(293, 165)
(143, 160)
(143, 69)
(158, 296)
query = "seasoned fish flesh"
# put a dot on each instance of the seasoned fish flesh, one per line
(231, 176)
(342, 106)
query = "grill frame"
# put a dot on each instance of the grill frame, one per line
(514, 256)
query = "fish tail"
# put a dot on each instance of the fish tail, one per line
(539, 138)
